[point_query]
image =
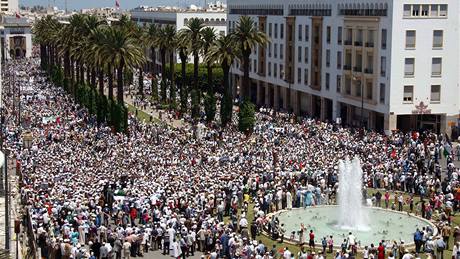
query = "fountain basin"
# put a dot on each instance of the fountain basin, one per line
(323, 220)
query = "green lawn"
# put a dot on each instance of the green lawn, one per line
(295, 248)
(141, 115)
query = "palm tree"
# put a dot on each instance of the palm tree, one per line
(248, 37)
(171, 38)
(209, 37)
(193, 31)
(166, 37)
(224, 51)
(152, 42)
(183, 47)
(122, 50)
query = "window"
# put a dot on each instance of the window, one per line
(339, 83)
(275, 50)
(384, 38)
(255, 66)
(425, 9)
(369, 91)
(307, 33)
(443, 10)
(339, 35)
(269, 69)
(281, 51)
(410, 39)
(339, 60)
(281, 31)
(407, 10)
(300, 32)
(436, 66)
(408, 93)
(270, 50)
(305, 76)
(270, 30)
(382, 93)
(275, 70)
(435, 95)
(415, 10)
(328, 34)
(348, 85)
(250, 65)
(276, 31)
(434, 10)
(437, 39)
(299, 54)
(328, 58)
(306, 53)
(281, 71)
(299, 75)
(409, 67)
(383, 66)
(327, 81)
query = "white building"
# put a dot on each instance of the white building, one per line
(397, 58)
(9, 6)
(15, 37)
(214, 16)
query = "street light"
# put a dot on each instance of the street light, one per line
(355, 78)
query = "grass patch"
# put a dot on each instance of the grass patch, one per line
(141, 115)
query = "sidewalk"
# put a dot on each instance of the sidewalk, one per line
(14, 212)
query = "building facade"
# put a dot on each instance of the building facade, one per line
(384, 64)
(214, 16)
(9, 6)
(15, 37)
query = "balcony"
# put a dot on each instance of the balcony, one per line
(368, 71)
(358, 43)
(369, 44)
(346, 67)
(357, 69)
(347, 43)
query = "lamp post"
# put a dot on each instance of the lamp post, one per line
(355, 78)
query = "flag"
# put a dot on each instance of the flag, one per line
(117, 4)
(17, 15)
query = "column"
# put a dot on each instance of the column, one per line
(267, 94)
(276, 100)
(335, 110)
(295, 101)
(259, 93)
(390, 123)
(323, 109)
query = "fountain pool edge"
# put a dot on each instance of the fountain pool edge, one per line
(318, 244)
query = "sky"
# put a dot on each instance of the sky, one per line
(124, 4)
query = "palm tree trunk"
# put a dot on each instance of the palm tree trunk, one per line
(88, 76)
(101, 81)
(163, 75)
(93, 77)
(82, 73)
(141, 81)
(246, 82)
(154, 74)
(72, 76)
(77, 72)
(226, 108)
(120, 98)
(110, 76)
(196, 60)
(183, 90)
(172, 88)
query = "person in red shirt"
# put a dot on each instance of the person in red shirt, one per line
(311, 244)
(381, 251)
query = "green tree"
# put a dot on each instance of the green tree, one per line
(183, 47)
(246, 116)
(224, 51)
(152, 43)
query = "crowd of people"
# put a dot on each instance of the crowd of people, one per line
(93, 193)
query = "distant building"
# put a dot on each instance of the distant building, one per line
(105, 13)
(15, 37)
(9, 6)
(384, 64)
(215, 16)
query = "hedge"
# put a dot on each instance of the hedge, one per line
(217, 76)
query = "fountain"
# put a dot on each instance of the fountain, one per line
(369, 225)
(352, 214)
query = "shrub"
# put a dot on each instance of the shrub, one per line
(246, 116)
